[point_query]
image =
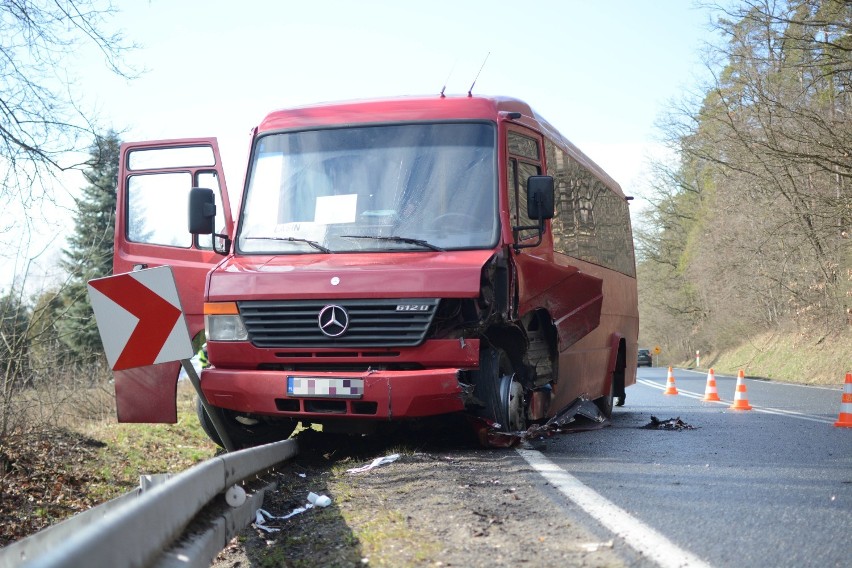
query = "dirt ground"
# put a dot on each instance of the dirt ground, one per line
(443, 502)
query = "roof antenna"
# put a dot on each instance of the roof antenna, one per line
(470, 91)
(447, 80)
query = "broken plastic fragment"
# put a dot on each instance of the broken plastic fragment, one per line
(670, 424)
(319, 500)
(582, 407)
(375, 463)
(260, 517)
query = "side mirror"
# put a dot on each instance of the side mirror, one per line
(540, 197)
(202, 218)
(202, 211)
(539, 208)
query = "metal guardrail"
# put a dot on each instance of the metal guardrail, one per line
(135, 529)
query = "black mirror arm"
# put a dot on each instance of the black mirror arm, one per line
(226, 242)
(539, 228)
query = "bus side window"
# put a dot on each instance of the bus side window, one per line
(525, 170)
(512, 188)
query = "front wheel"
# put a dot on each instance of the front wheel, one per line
(501, 393)
(243, 429)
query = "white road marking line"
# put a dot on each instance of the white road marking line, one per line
(635, 533)
(763, 409)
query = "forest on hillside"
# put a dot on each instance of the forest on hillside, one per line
(749, 227)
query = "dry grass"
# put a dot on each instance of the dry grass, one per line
(74, 455)
(791, 356)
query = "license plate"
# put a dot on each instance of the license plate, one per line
(325, 387)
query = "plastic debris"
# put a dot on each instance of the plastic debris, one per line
(319, 500)
(670, 424)
(262, 516)
(375, 463)
(566, 420)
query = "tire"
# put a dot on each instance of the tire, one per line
(502, 396)
(263, 431)
(605, 403)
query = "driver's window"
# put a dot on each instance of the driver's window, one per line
(524, 172)
(524, 161)
(157, 209)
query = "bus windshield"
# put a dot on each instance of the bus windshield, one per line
(422, 187)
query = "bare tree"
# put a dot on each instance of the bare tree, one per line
(749, 230)
(42, 121)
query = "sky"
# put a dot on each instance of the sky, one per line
(602, 72)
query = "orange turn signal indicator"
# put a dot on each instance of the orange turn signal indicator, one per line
(220, 308)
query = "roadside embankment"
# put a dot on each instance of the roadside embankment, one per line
(787, 356)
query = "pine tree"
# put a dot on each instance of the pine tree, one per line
(90, 247)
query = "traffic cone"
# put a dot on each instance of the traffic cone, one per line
(845, 418)
(710, 392)
(740, 398)
(670, 386)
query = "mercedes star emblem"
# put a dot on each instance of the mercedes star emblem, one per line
(333, 320)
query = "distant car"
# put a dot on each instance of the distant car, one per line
(645, 358)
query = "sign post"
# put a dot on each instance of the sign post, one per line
(141, 323)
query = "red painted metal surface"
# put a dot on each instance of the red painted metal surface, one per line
(396, 394)
(434, 353)
(404, 109)
(450, 274)
(147, 394)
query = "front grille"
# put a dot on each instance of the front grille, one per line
(372, 323)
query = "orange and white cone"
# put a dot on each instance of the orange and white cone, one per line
(845, 418)
(710, 392)
(740, 397)
(670, 386)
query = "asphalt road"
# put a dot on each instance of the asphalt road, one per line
(770, 486)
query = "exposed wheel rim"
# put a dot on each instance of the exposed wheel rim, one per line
(515, 407)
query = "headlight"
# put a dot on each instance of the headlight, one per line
(222, 322)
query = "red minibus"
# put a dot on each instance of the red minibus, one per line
(385, 260)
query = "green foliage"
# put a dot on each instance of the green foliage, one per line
(90, 248)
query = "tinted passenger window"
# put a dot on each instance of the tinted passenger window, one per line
(592, 222)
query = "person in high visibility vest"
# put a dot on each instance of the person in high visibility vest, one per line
(202, 356)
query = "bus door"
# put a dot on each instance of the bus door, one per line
(151, 230)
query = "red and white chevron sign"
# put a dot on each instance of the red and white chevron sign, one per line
(140, 318)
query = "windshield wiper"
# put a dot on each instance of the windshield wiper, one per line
(406, 240)
(314, 244)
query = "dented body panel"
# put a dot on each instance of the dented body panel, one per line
(384, 267)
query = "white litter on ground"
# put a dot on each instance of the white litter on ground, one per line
(375, 463)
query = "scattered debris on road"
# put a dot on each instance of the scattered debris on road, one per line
(566, 420)
(670, 424)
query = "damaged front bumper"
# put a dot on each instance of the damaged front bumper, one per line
(380, 395)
